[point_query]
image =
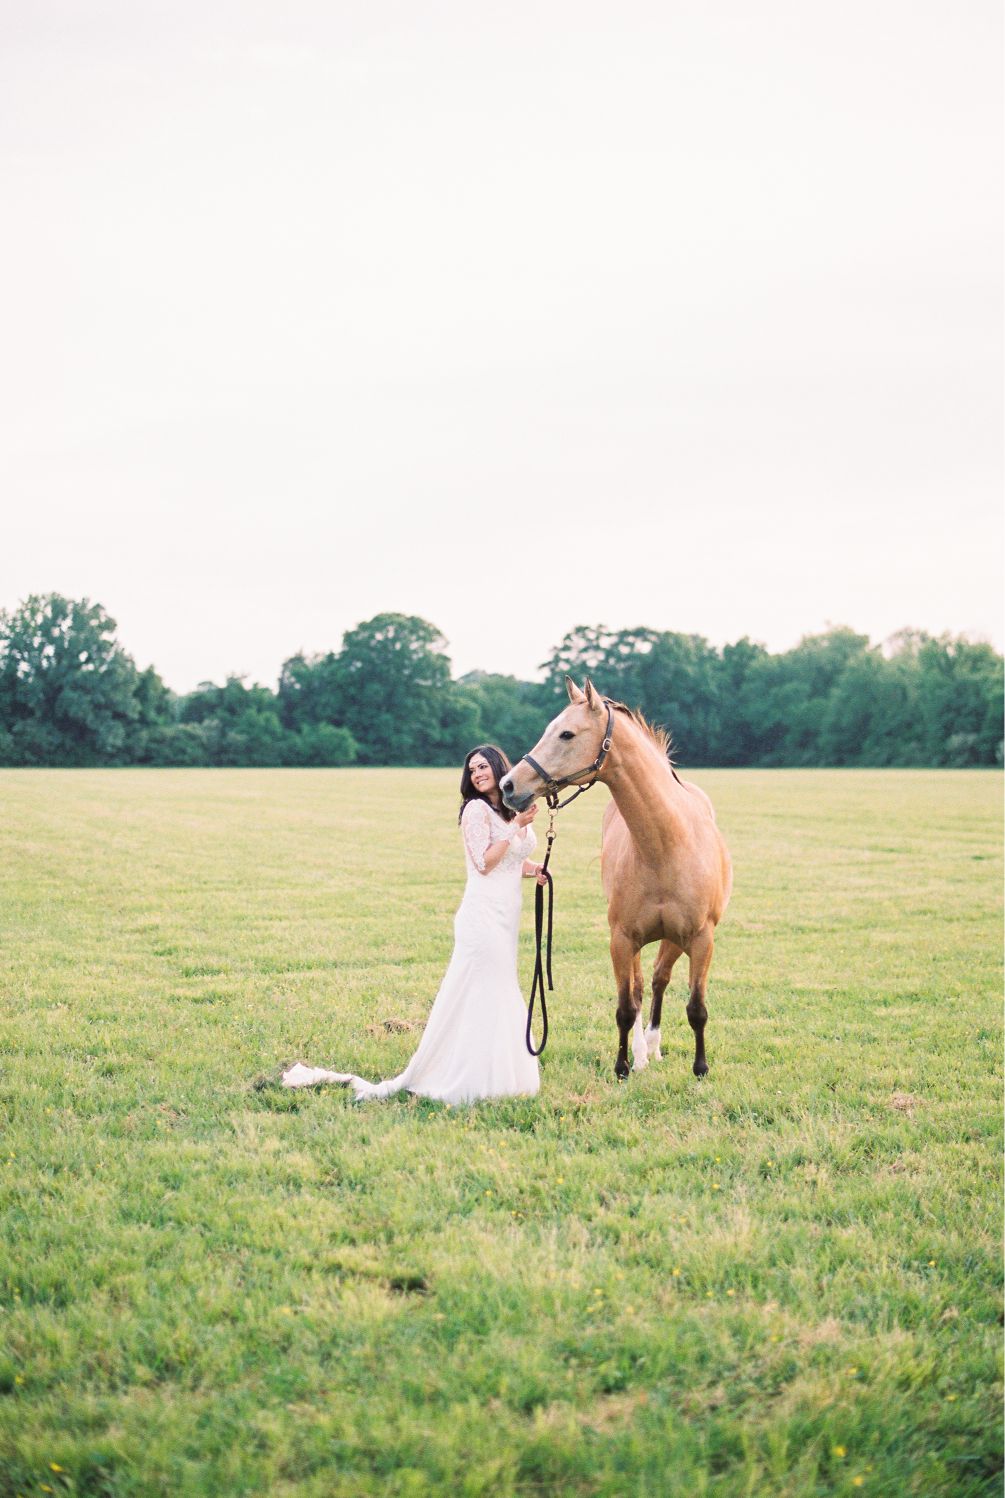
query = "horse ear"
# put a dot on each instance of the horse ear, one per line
(592, 699)
(575, 695)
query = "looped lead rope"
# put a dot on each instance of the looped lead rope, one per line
(542, 968)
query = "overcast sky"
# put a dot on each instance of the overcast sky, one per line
(514, 317)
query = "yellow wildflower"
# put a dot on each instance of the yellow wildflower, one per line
(839, 1451)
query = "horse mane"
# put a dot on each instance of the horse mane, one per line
(660, 736)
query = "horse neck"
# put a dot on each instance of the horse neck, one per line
(644, 790)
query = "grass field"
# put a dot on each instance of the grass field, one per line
(784, 1280)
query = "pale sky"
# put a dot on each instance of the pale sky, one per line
(514, 317)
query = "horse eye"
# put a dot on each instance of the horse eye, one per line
(567, 734)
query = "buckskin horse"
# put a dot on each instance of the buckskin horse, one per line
(665, 867)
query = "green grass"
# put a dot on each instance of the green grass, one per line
(784, 1280)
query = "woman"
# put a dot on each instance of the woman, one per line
(473, 1044)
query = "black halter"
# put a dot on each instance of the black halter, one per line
(552, 787)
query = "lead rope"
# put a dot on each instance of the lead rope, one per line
(540, 969)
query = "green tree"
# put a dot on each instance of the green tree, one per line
(612, 658)
(785, 697)
(312, 689)
(673, 678)
(511, 713)
(320, 744)
(460, 727)
(405, 708)
(960, 697)
(679, 681)
(180, 744)
(69, 693)
(239, 724)
(737, 741)
(871, 714)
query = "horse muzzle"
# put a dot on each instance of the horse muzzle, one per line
(516, 800)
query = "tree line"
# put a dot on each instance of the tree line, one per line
(71, 695)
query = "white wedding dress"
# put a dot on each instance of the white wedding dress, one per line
(473, 1045)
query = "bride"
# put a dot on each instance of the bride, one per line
(473, 1044)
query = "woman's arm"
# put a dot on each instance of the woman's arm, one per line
(476, 828)
(495, 856)
(498, 851)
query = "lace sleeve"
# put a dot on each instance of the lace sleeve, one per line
(523, 842)
(477, 833)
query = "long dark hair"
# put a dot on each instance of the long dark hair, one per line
(500, 766)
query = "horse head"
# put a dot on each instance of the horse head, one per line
(567, 753)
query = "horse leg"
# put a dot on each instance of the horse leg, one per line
(623, 959)
(665, 958)
(640, 1051)
(700, 957)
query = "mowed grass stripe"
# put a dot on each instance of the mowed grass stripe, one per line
(784, 1280)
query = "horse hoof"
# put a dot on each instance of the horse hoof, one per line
(700, 1068)
(621, 1070)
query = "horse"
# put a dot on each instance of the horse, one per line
(665, 867)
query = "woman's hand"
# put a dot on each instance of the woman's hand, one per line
(524, 818)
